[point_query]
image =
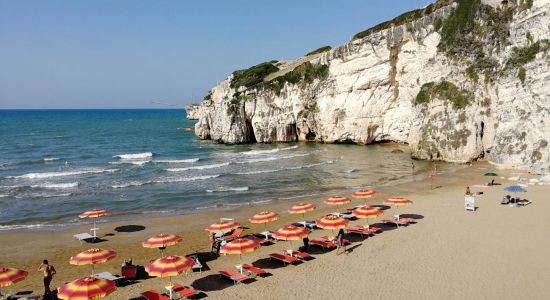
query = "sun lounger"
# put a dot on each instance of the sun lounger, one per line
(327, 239)
(184, 291)
(363, 230)
(197, 266)
(285, 259)
(128, 272)
(154, 295)
(254, 270)
(265, 234)
(348, 216)
(256, 239)
(235, 276)
(107, 275)
(397, 222)
(323, 243)
(83, 237)
(301, 255)
(308, 224)
(523, 202)
(234, 235)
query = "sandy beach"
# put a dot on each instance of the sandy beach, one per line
(497, 252)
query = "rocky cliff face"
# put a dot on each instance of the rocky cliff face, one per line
(483, 94)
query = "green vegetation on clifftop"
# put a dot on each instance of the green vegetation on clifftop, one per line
(460, 98)
(320, 50)
(253, 75)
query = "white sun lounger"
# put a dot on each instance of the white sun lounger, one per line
(197, 265)
(83, 237)
(108, 276)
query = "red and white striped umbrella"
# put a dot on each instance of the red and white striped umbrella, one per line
(239, 246)
(264, 217)
(169, 266)
(398, 201)
(94, 214)
(290, 233)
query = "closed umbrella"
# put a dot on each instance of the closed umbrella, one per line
(161, 241)
(170, 266)
(95, 214)
(92, 257)
(87, 288)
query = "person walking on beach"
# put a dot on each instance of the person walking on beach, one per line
(340, 242)
(49, 272)
(413, 167)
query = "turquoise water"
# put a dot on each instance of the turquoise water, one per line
(55, 164)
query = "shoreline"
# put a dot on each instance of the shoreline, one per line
(20, 249)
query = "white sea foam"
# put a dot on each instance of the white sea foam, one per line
(133, 162)
(19, 227)
(176, 161)
(162, 180)
(142, 156)
(257, 172)
(4, 195)
(62, 173)
(50, 159)
(230, 189)
(56, 186)
(261, 201)
(203, 167)
(260, 152)
(51, 195)
(298, 196)
(272, 158)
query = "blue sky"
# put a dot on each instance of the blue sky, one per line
(129, 54)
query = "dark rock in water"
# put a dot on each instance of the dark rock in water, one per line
(397, 151)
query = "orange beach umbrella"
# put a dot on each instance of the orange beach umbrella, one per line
(222, 226)
(239, 246)
(9, 276)
(364, 194)
(332, 222)
(161, 241)
(366, 212)
(397, 201)
(264, 217)
(169, 266)
(94, 214)
(337, 200)
(301, 208)
(92, 257)
(86, 288)
(290, 233)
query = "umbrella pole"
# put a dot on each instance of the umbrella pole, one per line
(93, 270)
(170, 287)
(94, 230)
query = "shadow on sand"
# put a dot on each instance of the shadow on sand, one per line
(129, 228)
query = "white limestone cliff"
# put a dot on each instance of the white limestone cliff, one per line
(370, 93)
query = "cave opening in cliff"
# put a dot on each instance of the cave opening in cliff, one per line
(310, 136)
(482, 125)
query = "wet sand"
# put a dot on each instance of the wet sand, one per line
(496, 252)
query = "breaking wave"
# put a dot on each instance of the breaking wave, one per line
(144, 155)
(161, 181)
(203, 167)
(176, 161)
(62, 174)
(235, 189)
(56, 186)
(260, 152)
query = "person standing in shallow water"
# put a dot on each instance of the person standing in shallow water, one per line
(49, 272)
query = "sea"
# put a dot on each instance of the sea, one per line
(55, 164)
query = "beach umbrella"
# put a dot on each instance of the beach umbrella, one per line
(239, 246)
(331, 222)
(337, 200)
(364, 194)
(161, 241)
(290, 233)
(490, 174)
(515, 189)
(397, 201)
(92, 257)
(301, 208)
(367, 212)
(169, 266)
(264, 217)
(86, 288)
(94, 214)
(222, 226)
(9, 276)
